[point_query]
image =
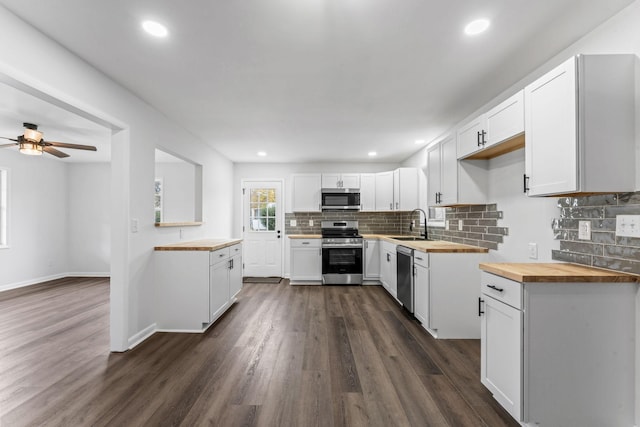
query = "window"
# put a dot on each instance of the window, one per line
(157, 200)
(437, 217)
(4, 189)
(262, 205)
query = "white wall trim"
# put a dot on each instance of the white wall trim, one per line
(142, 335)
(89, 274)
(30, 282)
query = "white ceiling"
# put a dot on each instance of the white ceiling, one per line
(315, 80)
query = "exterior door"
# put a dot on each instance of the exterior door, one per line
(263, 233)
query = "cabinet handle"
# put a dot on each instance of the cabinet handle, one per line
(418, 258)
(397, 205)
(414, 271)
(305, 243)
(388, 258)
(480, 312)
(495, 288)
(391, 206)
(525, 183)
(484, 133)
(478, 138)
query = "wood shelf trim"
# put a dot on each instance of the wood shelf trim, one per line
(499, 149)
(179, 224)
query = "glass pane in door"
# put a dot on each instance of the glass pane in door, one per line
(262, 209)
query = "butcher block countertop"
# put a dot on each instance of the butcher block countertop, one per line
(554, 273)
(199, 245)
(439, 246)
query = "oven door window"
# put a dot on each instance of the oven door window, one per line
(342, 260)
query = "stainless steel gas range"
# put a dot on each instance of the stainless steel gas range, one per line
(341, 253)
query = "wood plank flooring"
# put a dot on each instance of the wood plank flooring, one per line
(282, 356)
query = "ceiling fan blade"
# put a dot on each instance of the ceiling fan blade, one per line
(10, 139)
(75, 146)
(8, 145)
(55, 152)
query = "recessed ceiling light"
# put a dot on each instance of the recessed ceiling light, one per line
(476, 27)
(154, 28)
(261, 153)
(419, 141)
(372, 154)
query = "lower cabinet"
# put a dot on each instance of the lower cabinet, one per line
(388, 267)
(561, 353)
(371, 260)
(194, 288)
(306, 260)
(446, 293)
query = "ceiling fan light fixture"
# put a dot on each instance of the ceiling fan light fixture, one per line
(30, 148)
(33, 135)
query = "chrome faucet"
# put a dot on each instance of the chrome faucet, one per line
(425, 221)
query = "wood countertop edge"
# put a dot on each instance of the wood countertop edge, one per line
(304, 236)
(199, 245)
(556, 273)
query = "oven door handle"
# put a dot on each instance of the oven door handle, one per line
(330, 246)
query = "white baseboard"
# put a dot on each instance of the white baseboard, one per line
(38, 280)
(142, 335)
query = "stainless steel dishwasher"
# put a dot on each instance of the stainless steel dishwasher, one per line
(405, 276)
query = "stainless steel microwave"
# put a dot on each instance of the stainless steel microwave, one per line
(340, 199)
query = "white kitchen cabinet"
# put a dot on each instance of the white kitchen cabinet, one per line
(340, 180)
(368, 192)
(446, 293)
(306, 260)
(194, 287)
(305, 192)
(496, 132)
(384, 191)
(371, 260)
(405, 189)
(579, 127)
(389, 268)
(452, 182)
(560, 352)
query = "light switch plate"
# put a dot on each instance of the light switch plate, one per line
(584, 230)
(533, 250)
(293, 223)
(460, 225)
(628, 225)
(310, 223)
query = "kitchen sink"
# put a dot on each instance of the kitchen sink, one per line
(408, 238)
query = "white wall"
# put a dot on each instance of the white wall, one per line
(89, 216)
(37, 220)
(178, 180)
(70, 82)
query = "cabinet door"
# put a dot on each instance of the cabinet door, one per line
(505, 120)
(421, 295)
(331, 180)
(433, 175)
(501, 354)
(384, 191)
(368, 191)
(385, 269)
(235, 276)
(551, 150)
(306, 263)
(371, 259)
(471, 136)
(393, 274)
(405, 191)
(448, 172)
(305, 193)
(218, 289)
(350, 180)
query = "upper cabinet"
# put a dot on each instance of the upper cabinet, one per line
(579, 125)
(368, 191)
(340, 180)
(451, 182)
(305, 192)
(496, 132)
(405, 189)
(384, 191)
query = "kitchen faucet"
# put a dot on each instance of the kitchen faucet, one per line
(425, 221)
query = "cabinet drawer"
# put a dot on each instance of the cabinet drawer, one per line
(306, 243)
(421, 258)
(218, 255)
(235, 249)
(502, 289)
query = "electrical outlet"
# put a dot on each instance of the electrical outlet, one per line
(310, 223)
(446, 224)
(293, 223)
(181, 234)
(628, 225)
(533, 250)
(584, 230)
(134, 225)
(460, 225)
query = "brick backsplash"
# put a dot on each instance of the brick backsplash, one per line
(605, 249)
(479, 224)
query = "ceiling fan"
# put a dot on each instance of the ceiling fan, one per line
(31, 143)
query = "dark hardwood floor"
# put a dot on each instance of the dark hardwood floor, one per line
(282, 356)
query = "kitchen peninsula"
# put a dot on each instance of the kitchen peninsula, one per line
(196, 282)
